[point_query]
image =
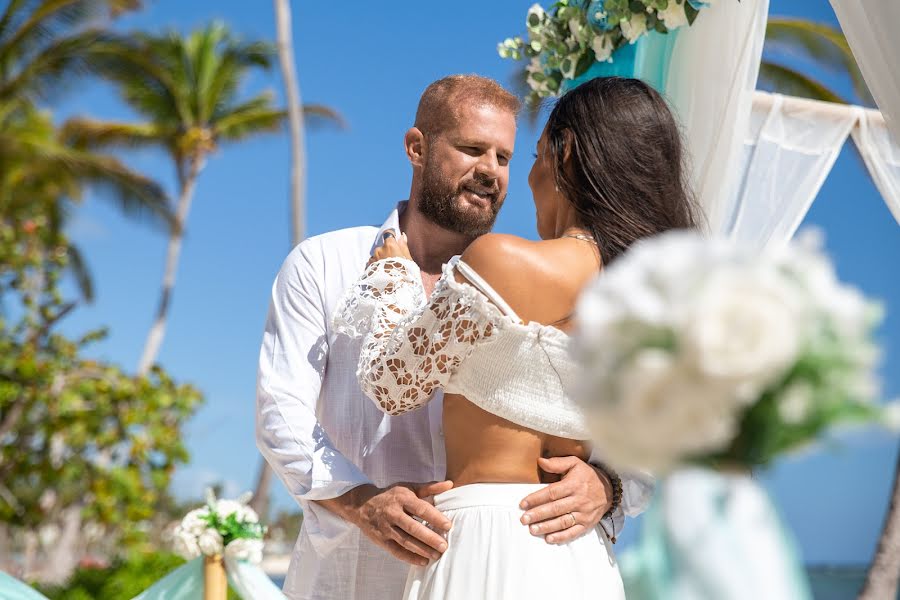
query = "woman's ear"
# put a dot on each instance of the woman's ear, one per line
(414, 140)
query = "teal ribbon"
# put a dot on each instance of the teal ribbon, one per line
(13, 589)
(648, 59)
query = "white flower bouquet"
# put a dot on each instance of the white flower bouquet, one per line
(222, 527)
(697, 351)
(564, 42)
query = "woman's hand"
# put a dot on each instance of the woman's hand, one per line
(391, 247)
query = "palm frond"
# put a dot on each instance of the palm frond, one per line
(320, 115)
(136, 195)
(87, 133)
(822, 43)
(52, 67)
(79, 268)
(248, 120)
(142, 68)
(786, 80)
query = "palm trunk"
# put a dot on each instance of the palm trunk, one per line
(158, 330)
(63, 559)
(882, 578)
(295, 115)
(260, 501)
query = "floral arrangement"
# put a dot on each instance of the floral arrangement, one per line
(222, 527)
(563, 43)
(699, 351)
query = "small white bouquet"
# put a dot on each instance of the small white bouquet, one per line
(697, 351)
(222, 527)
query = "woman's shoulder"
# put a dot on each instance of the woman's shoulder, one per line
(497, 256)
(515, 267)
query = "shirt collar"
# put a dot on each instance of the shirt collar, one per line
(393, 222)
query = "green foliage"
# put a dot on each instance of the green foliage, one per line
(44, 44)
(73, 431)
(124, 579)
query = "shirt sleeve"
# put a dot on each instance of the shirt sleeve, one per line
(292, 364)
(411, 347)
(637, 492)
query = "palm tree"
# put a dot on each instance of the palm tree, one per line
(36, 165)
(43, 45)
(823, 44)
(187, 90)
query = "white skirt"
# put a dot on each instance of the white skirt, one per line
(492, 556)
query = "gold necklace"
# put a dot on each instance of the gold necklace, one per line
(582, 237)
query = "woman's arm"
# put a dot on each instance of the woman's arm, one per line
(411, 347)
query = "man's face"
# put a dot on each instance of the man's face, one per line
(466, 171)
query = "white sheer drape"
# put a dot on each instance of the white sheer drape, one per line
(871, 30)
(881, 153)
(710, 85)
(788, 152)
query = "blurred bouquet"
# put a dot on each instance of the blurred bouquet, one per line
(696, 351)
(564, 42)
(222, 527)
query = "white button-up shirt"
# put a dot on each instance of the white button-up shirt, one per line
(321, 434)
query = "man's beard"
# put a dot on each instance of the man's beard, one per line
(441, 204)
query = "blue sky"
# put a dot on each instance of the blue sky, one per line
(371, 62)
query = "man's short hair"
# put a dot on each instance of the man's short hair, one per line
(440, 102)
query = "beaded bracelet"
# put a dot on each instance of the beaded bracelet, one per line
(616, 483)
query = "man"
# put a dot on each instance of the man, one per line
(336, 452)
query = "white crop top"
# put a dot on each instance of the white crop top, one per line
(464, 339)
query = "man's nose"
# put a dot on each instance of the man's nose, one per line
(488, 167)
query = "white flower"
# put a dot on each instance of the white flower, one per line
(661, 413)
(194, 522)
(245, 549)
(210, 542)
(185, 544)
(635, 27)
(891, 415)
(743, 327)
(673, 15)
(535, 16)
(603, 47)
(795, 403)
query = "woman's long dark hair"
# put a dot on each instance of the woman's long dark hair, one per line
(625, 172)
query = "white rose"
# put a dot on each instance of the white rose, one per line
(603, 47)
(635, 27)
(795, 403)
(891, 415)
(185, 544)
(244, 549)
(194, 522)
(743, 327)
(673, 15)
(210, 542)
(228, 507)
(661, 414)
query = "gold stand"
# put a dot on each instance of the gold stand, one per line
(215, 584)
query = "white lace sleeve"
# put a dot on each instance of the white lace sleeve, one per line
(411, 347)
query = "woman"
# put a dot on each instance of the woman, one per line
(493, 335)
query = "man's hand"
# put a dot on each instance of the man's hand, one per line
(564, 510)
(392, 518)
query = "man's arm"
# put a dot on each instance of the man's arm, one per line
(291, 368)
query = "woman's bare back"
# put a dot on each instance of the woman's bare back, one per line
(541, 281)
